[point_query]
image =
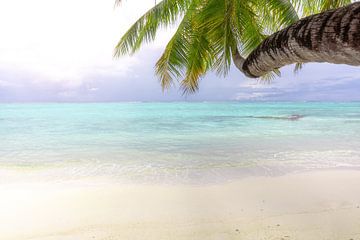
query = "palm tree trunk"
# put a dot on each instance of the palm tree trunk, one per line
(332, 36)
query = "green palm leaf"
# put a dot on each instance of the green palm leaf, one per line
(210, 31)
(146, 27)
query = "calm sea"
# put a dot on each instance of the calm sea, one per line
(184, 142)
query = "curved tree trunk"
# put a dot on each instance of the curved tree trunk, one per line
(332, 36)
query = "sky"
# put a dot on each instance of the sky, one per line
(62, 51)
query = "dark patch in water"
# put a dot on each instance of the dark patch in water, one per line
(352, 121)
(294, 117)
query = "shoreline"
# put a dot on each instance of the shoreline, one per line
(310, 205)
(198, 177)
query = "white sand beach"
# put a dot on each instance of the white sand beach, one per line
(313, 205)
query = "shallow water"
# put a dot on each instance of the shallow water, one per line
(186, 142)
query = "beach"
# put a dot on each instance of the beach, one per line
(143, 171)
(309, 205)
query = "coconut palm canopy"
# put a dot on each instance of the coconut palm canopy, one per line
(212, 33)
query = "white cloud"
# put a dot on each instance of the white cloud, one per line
(66, 41)
(315, 81)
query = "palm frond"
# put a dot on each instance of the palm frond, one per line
(145, 28)
(215, 22)
(198, 63)
(308, 7)
(210, 31)
(276, 14)
(187, 55)
(174, 59)
(270, 76)
(298, 67)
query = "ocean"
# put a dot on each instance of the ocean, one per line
(179, 142)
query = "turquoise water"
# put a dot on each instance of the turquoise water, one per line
(176, 141)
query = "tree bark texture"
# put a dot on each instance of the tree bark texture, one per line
(332, 36)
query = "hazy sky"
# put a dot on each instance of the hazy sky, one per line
(62, 51)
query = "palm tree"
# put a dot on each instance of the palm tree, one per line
(332, 36)
(213, 33)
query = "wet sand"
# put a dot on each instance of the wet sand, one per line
(313, 205)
